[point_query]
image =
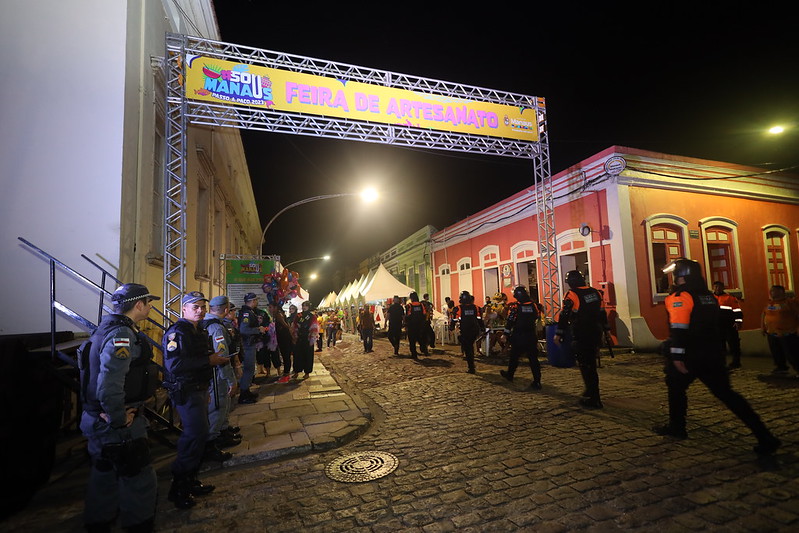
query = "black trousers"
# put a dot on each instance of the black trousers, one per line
(732, 343)
(717, 379)
(416, 335)
(394, 335)
(467, 345)
(585, 352)
(527, 345)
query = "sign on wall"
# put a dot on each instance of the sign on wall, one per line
(216, 80)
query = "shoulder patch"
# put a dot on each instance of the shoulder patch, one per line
(122, 352)
(172, 346)
(122, 341)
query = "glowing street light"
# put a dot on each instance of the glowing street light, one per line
(367, 195)
(776, 130)
(323, 257)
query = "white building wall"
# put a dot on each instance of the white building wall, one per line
(61, 114)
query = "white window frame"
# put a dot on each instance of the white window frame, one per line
(654, 220)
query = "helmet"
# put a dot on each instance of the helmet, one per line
(574, 278)
(689, 270)
(414, 297)
(465, 298)
(520, 293)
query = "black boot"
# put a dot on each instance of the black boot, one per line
(212, 453)
(197, 488)
(506, 374)
(180, 493)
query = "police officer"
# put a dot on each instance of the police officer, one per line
(252, 329)
(694, 351)
(188, 362)
(224, 384)
(115, 382)
(584, 315)
(520, 329)
(732, 318)
(395, 316)
(415, 319)
(471, 324)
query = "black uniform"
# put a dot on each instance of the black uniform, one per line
(395, 314)
(471, 321)
(695, 340)
(584, 316)
(188, 372)
(520, 329)
(414, 323)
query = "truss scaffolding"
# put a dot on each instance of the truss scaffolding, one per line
(182, 112)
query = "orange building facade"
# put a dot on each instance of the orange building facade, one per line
(621, 226)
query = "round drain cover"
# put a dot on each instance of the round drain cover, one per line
(361, 466)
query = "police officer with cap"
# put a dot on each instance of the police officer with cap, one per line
(583, 313)
(694, 350)
(188, 361)
(520, 329)
(224, 384)
(117, 377)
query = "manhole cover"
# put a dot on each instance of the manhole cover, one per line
(362, 466)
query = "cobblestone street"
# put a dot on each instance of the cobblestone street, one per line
(477, 453)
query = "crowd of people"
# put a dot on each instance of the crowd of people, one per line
(213, 353)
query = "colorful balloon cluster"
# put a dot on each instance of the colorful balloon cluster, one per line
(280, 287)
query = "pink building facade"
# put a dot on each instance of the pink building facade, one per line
(741, 223)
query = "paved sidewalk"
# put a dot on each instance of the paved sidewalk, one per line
(297, 417)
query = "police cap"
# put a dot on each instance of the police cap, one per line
(193, 296)
(218, 301)
(250, 296)
(130, 292)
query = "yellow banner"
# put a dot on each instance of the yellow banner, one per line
(227, 82)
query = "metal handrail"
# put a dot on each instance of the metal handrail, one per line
(86, 324)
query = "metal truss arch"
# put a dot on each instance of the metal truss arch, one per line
(182, 111)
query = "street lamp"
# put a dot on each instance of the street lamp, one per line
(367, 195)
(324, 257)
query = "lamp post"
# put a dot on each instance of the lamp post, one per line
(325, 257)
(368, 195)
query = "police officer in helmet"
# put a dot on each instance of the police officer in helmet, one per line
(583, 313)
(117, 377)
(471, 324)
(694, 350)
(520, 329)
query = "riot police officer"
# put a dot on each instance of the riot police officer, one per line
(694, 350)
(415, 319)
(117, 376)
(188, 362)
(471, 324)
(584, 315)
(520, 329)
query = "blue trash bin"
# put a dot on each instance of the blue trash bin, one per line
(559, 356)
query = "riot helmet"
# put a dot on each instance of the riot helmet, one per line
(689, 270)
(414, 297)
(520, 293)
(465, 298)
(574, 279)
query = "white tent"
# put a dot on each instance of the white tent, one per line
(328, 301)
(382, 286)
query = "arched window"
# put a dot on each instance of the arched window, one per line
(778, 256)
(722, 255)
(666, 236)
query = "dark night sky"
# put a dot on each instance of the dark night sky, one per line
(674, 80)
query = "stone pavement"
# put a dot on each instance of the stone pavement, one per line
(477, 453)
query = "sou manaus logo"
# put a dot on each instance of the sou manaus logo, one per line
(236, 85)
